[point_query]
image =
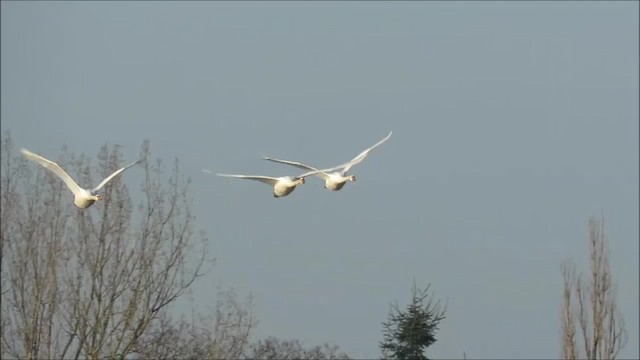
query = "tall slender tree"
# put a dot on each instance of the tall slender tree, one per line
(592, 326)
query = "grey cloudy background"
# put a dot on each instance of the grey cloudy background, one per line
(512, 124)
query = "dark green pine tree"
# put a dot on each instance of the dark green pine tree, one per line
(407, 334)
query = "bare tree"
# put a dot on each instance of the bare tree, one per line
(90, 283)
(591, 320)
(223, 334)
(273, 348)
(233, 326)
(32, 222)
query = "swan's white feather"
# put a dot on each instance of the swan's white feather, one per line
(114, 174)
(299, 165)
(54, 168)
(265, 179)
(358, 159)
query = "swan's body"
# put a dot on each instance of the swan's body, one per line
(334, 180)
(282, 186)
(83, 198)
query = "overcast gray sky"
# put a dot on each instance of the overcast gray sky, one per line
(512, 124)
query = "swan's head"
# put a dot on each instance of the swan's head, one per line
(352, 178)
(301, 180)
(98, 197)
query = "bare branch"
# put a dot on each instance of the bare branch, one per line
(89, 283)
(601, 325)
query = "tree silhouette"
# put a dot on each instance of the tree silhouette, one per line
(91, 283)
(408, 333)
(599, 330)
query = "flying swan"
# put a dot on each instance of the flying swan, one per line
(334, 180)
(282, 186)
(83, 198)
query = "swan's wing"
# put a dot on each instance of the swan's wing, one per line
(309, 173)
(265, 179)
(54, 168)
(358, 159)
(293, 163)
(114, 174)
(302, 166)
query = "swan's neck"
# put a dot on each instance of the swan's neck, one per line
(91, 196)
(345, 178)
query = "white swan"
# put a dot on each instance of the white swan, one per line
(83, 198)
(282, 186)
(334, 180)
